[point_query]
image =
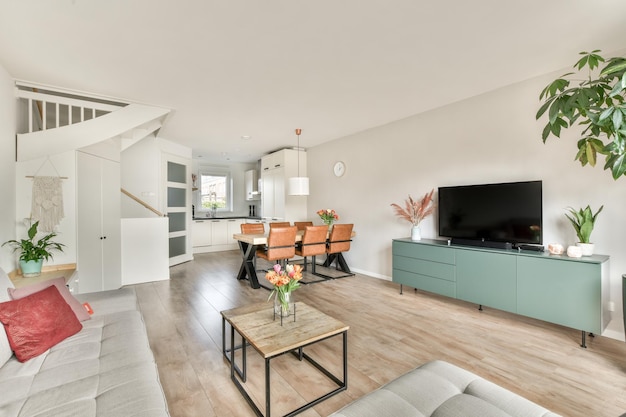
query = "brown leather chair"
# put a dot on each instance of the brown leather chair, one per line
(313, 243)
(339, 242)
(302, 225)
(252, 228)
(279, 224)
(281, 244)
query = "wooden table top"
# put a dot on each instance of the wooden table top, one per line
(257, 325)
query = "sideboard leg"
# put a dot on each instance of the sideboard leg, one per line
(480, 307)
(400, 289)
(584, 340)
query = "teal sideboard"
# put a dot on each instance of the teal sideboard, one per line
(572, 292)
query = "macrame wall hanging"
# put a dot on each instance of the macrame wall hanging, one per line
(47, 204)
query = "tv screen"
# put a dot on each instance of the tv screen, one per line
(506, 212)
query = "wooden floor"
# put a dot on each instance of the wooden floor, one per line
(389, 335)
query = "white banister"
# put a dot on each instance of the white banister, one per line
(62, 107)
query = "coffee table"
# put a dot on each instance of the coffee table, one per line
(259, 329)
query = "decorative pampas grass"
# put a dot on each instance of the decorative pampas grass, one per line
(415, 211)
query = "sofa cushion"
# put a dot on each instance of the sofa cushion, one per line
(440, 389)
(37, 322)
(5, 348)
(105, 370)
(76, 306)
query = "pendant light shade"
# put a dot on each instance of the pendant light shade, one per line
(298, 185)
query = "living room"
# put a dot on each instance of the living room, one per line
(484, 137)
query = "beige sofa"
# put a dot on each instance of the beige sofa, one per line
(106, 369)
(440, 389)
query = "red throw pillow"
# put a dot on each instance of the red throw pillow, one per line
(77, 307)
(37, 322)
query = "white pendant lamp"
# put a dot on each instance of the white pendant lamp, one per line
(298, 185)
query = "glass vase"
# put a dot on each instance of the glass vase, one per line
(284, 303)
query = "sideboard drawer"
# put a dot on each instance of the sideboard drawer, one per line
(416, 250)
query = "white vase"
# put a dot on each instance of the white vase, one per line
(587, 248)
(415, 233)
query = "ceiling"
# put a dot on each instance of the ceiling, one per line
(261, 68)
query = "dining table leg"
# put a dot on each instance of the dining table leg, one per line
(342, 265)
(248, 264)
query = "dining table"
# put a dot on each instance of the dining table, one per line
(248, 244)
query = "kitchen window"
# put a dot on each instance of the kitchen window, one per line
(215, 191)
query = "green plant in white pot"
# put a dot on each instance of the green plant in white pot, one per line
(34, 252)
(583, 221)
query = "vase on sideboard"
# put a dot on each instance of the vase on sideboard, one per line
(416, 233)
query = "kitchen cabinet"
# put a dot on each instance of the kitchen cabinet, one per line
(98, 223)
(219, 232)
(276, 168)
(214, 235)
(201, 233)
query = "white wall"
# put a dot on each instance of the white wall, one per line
(63, 165)
(490, 138)
(141, 174)
(7, 167)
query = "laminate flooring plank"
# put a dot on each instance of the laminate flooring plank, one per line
(389, 335)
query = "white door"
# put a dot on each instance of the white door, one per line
(98, 223)
(111, 225)
(177, 176)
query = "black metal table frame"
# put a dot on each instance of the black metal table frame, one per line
(248, 264)
(299, 353)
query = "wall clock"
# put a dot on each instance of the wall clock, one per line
(339, 169)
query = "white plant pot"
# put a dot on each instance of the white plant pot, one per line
(587, 248)
(415, 233)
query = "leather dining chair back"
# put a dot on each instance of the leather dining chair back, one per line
(302, 225)
(281, 244)
(252, 228)
(340, 238)
(313, 243)
(279, 224)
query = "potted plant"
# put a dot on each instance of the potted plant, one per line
(415, 211)
(34, 252)
(597, 103)
(583, 221)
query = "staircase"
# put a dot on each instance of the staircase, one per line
(55, 121)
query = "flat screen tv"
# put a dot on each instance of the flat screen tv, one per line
(508, 213)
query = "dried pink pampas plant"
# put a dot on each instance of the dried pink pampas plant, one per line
(415, 211)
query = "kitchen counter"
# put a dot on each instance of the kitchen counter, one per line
(226, 218)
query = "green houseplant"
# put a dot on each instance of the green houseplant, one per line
(596, 103)
(33, 252)
(583, 221)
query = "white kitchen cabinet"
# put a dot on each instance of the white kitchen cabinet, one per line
(276, 168)
(234, 226)
(214, 235)
(201, 233)
(98, 223)
(219, 231)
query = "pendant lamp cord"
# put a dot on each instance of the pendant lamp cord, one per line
(298, 132)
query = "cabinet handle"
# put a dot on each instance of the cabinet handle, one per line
(276, 166)
(233, 220)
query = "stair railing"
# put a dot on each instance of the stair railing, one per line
(141, 202)
(55, 109)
